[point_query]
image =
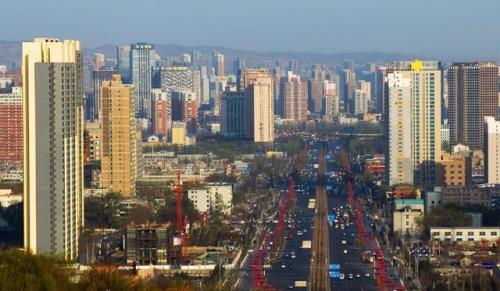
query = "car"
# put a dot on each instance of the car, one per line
(367, 275)
(343, 242)
(290, 287)
(345, 251)
(342, 276)
(358, 275)
(283, 266)
(351, 276)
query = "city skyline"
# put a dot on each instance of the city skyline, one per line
(325, 31)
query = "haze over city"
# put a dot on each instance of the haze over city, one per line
(442, 29)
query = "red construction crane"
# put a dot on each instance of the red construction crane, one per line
(181, 225)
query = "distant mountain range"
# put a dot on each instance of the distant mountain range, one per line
(10, 54)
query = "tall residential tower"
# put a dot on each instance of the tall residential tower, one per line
(53, 146)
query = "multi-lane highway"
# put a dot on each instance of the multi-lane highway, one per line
(319, 276)
(333, 246)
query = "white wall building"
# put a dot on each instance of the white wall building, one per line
(465, 234)
(211, 197)
(406, 216)
(491, 149)
(53, 146)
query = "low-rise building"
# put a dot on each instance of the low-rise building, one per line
(433, 198)
(465, 234)
(407, 215)
(212, 197)
(178, 133)
(477, 195)
(147, 245)
(7, 198)
(15, 176)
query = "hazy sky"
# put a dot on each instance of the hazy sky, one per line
(440, 28)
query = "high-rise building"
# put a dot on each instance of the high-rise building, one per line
(118, 160)
(218, 63)
(238, 65)
(142, 60)
(92, 142)
(472, 95)
(232, 114)
(330, 100)
(99, 61)
(491, 150)
(195, 59)
(399, 167)
(53, 146)
(123, 62)
(186, 59)
(294, 92)
(218, 86)
(197, 86)
(413, 127)
(257, 85)
(366, 87)
(162, 114)
(11, 125)
(204, 86)
(360, 102)
(173, 78)
(315, 96)
(349, 85)
(184, 109)
(98, 76)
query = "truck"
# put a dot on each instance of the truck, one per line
(306, 244)
(300, 284)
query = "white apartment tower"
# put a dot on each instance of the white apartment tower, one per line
(414, 122)
(491, 149)
(53, 146)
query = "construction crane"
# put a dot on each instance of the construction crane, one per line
(181, 223)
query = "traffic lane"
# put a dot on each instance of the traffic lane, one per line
(350, 263)
(295, 269)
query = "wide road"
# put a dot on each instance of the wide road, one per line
(350, 262)
(318, 277)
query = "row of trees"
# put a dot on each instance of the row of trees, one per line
(21, 271)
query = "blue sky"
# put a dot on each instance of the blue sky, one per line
(438, 28)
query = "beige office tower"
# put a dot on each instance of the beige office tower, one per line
(259, 105)
(118, 160)
(53, 146)
(414, 109)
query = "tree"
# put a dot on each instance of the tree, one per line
(102, 212)
(447, 215)
(140, 214)
(25, 271)
(109, 278)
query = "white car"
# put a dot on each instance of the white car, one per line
(342, 276)
(351, 276)
(345, 251)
